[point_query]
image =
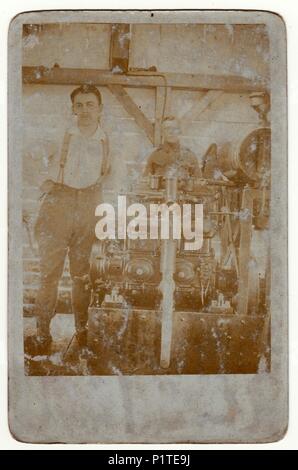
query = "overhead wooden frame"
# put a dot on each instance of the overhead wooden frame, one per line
(119, 76)
(213, 87)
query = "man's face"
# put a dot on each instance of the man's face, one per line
(87, 109)
(171, 132)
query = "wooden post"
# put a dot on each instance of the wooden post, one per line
(244, 249)
(160, 98)
(119, 49)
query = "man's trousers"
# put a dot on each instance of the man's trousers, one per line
(65, 226)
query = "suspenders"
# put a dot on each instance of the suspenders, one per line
(105, 166)
(63, 157)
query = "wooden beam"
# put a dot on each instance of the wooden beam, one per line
(204, 102)
(134, 111)
(69, 76)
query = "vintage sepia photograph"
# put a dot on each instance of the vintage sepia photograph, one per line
(147, 286)
(146, 198)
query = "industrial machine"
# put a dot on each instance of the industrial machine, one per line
(158, 308)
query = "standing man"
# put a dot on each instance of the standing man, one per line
(66, 220)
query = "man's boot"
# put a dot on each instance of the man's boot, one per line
(82, 339)
(39, 344)
(81, 336)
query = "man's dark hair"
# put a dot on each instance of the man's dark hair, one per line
(86, 89)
